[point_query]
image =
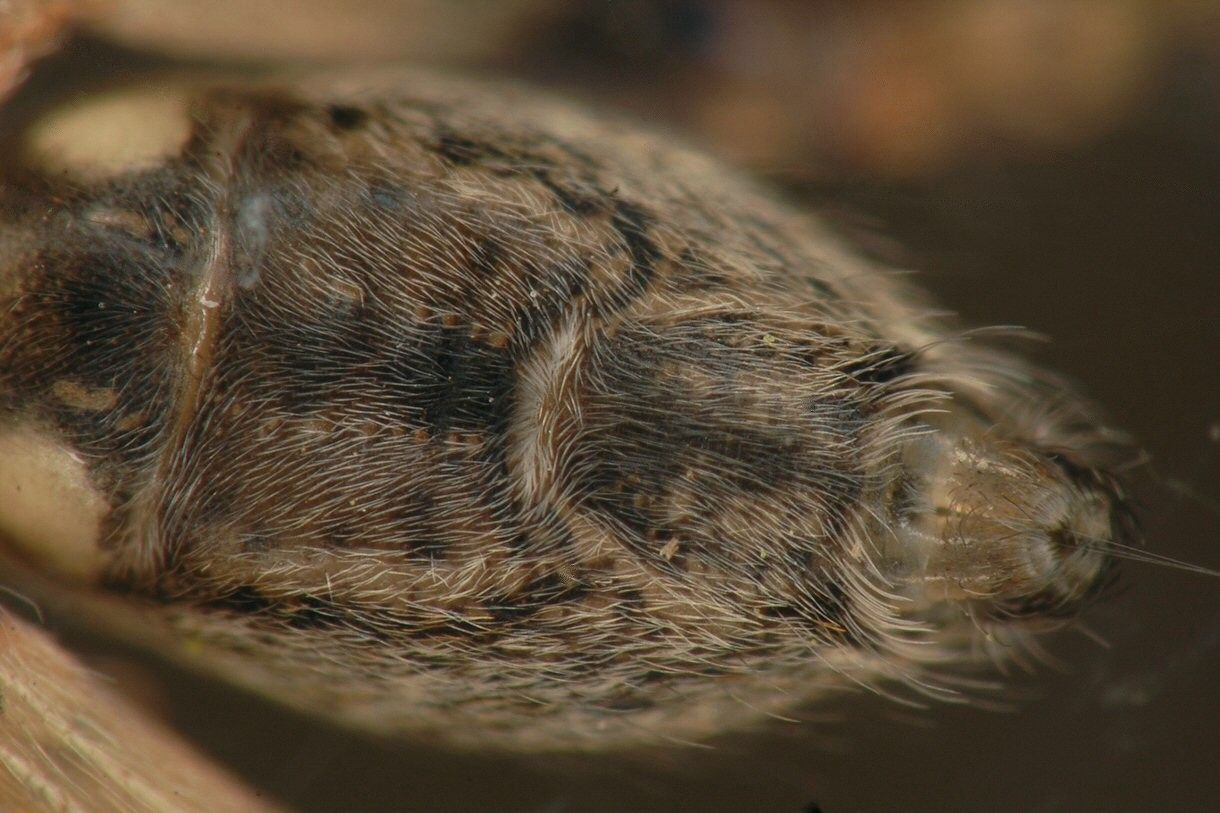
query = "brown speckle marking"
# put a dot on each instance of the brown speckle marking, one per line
(350, 291)
(131, 421)
(670, 549)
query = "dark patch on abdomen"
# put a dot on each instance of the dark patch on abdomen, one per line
(882, 366)
(427, 375)
(103, 318)
(302, 612)
(824, 610)
(544, 591)
(462, 150)
(631, 223)
(312, 612)
(456, 382)
(347, 117)
(673, 439)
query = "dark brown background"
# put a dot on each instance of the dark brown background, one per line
(1058, 170)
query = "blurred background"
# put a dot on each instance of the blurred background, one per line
(1047, 163)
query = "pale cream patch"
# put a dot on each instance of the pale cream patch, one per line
(124, 220)
(112, 133)
(87, 399)
(48, 507)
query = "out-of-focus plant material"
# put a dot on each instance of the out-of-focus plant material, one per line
(69, 744)
(317, 29)
(29, 29)
(879, 88)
